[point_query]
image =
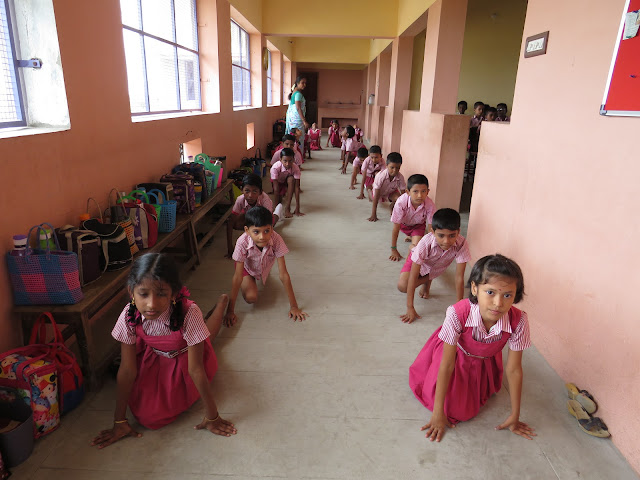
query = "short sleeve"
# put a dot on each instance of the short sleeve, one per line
(237, 207)
(421, 251)
(377, 181)
(122, 331)
(240, 252)
(463, 255)
(521, 338)
(451, 328)
(402, 184)
(194, 330)
(279, 247)
(296, 172)
(297, 97)
(274, 170)
(398, 213)
(266, 202)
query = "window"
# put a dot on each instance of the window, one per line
(161, 51)
(11, 108)
(240, 66)
(269, 81)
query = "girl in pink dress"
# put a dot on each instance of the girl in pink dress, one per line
(314, 137)
(167, 361)
(460, 366)
(358, 132)
(334, 135)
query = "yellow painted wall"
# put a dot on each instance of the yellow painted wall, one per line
(330, 50)
(416, 70)
(491, 51)
(409, 11)
(376, 47)
(251, 10)
(283, 45)
(363, 18)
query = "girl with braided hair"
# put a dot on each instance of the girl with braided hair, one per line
(167, 359)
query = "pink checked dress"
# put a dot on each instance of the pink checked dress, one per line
(477, 374)
(163, 388)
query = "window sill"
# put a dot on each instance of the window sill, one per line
(25, 131)
(164, 116)
(238, 109)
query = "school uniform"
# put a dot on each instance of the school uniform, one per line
(432, 259)
(369, 169)
(163, 388)
(413, 220)
(334, 136)
(258, 262)
(478, 369)
(297, 156)
(279, 174)
(387, 185)
(241, 206)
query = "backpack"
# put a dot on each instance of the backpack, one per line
(86, 244)
(26, 370)
(70, 380)
(115, 253)
(183, 191)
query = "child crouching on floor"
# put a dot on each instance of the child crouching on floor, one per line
(361, 156)
(257, 249)
(285, 177)
(388, 184)
(370, 167)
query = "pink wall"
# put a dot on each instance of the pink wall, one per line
(558, 195)
(55, 173)
(344, 86)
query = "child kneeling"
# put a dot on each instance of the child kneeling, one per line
(460, 366)
(257, 249)
(167, 361)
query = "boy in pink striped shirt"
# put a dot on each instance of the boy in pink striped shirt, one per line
(285, 177)
(361, 156)
(411, 213)
(370, 167)
(388, 184)
(350, 147)
(257, 249)
(431, 257)
(288, 141)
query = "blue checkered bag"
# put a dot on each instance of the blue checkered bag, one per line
(44, 277)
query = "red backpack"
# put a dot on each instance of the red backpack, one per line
(70, 380)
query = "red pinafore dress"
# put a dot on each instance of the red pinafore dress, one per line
(477, 373)
(163, 388)
(334, 137)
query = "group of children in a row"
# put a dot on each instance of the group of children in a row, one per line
(482, 112)
(478, 327)
(168, 361)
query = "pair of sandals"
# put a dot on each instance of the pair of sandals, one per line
(582, 405)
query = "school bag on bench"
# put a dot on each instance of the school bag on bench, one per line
(85, 244)
(164, 187)
(36, 380)
(183, 191)
(144, 217)
(197, 171)
(115, 253)
(70, 380)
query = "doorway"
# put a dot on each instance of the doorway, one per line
(311, 95)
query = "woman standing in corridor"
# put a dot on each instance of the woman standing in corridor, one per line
(297, 109)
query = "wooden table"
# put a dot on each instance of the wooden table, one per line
(109, 291)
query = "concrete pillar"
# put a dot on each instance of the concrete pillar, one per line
(399, 89)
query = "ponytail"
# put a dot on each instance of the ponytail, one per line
(295, 85)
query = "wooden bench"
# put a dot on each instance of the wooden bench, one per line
(109, 292)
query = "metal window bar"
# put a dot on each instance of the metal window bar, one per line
(176, 46)
(11, 70)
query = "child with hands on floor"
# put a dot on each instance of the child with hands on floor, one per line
(257, 249)
(252, 195)
(361, 156)
(388, 184)
(167, 361)
(285, 178)
(370, 167)
(431, 257)
(461, 366)
(411, 213)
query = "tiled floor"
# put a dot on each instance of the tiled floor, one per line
(329, 398)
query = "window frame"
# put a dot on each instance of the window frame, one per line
(16, 79)
(176, 47)
(269, 81)
(242, 68)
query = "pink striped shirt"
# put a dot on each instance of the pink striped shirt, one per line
(241, 206)
(258, 262)
(404, 212)
(433, 260)
(388, 185)
(351, 145)
(475, 121)
(280, 174)
(370, 168)
(452, 328)
(297, 156)
(194, 330)
(357, 162)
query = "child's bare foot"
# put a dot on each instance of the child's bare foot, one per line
(360, 197)
(424, 292)
(288, 214)
(219, 307)
(352, 187)
(298, 213)
(408, 239)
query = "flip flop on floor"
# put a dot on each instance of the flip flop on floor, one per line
(583, 397)
(590, 425)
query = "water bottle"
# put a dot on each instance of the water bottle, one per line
(46, 239)
(19, 245)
